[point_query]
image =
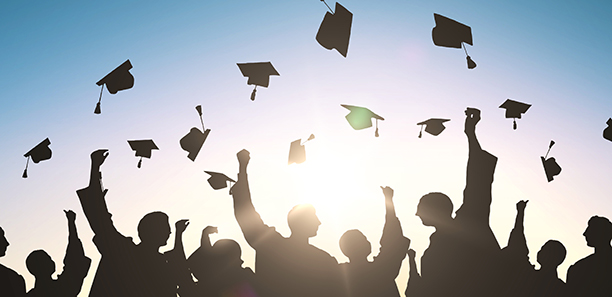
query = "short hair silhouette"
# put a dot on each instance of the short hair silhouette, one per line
(598, 232)
(552, 254)
(152, 226)
(228, 252)
(40, 264)
(303, 218)
(354, 244)
(433, 207)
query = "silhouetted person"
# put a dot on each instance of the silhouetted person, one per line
(76, 266)
(11, 283)
(520, 277)
(219, 270)
(128, 269)
(461, 254)
(285, 266)
(376, 278)
(592, 276)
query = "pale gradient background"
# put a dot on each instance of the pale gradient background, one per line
(551, 54)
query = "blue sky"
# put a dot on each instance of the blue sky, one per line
(549, 54)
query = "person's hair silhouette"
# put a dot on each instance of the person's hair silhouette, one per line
(127, 269)
(285, 266)
(219, 270)
(377, 278)
(591, 276)
(12, 284)
(462, 251)
(76, 266)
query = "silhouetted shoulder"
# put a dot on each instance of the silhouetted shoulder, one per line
(591, 276)
(12, 284)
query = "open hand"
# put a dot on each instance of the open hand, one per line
(243, 157)
(520, 206)
(472, 118)
(70, 215)
(388, 192)
(98, 157)
(181, 225)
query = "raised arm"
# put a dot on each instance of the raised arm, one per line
(250, 222)
(517, 244)
(92, 198)
(414, 279)
(477, 198)
(76, 264)
(393, 244)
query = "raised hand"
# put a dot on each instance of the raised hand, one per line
(520, 206)
(243, 157)
(411, 254)
(388, 192)
(472, 118)
(181, 225)
(209, 230)
(70, 215)
(98, 157)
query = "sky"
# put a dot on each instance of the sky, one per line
(553, 55)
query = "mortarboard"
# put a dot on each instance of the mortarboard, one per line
(361, 117)
(607, 133)
(193, 141)
(118, 79)
(219, 180)
(143, 148)
(297, 151)
(258, 74)
(433, 126)
(551, 168)
(450, 33)
(514, 110)
(39, 153)
(335, 30)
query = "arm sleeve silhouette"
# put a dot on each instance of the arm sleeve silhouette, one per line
(393, 244)
(414, 278)
(76, 264)
(254, 230)
(178, 261)
(517, 244)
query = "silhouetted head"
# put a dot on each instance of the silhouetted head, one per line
(154, 229)
(40, 264)
(303, 220)
(355, 245)
(599, 232)
(3, 243)
(551, 254)
(228, 253)
(434, 209)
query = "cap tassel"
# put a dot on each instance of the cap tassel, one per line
(330, 10)
(253, 94)
(514, 124)
(470, 63)
(376, 132)
(421, 133)
(552, 142)
(140, 162)
(199, 109)
(98, 110)
(25, 171)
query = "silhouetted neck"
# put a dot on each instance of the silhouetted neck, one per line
(603, 250)
(299, 238)
(148, 248)
(358, 261)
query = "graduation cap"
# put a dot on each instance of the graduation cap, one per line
(193, 141)
(433, 126)
(514, 110)
(335, 30)
(117, 80)
(143, 148)
(361, 117)
(39, 153)
(551, 168)
(607, 133)
(450, 33)
(218, 180)
(297, 151)
(258, 74)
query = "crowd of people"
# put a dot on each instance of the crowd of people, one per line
(463, 258)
